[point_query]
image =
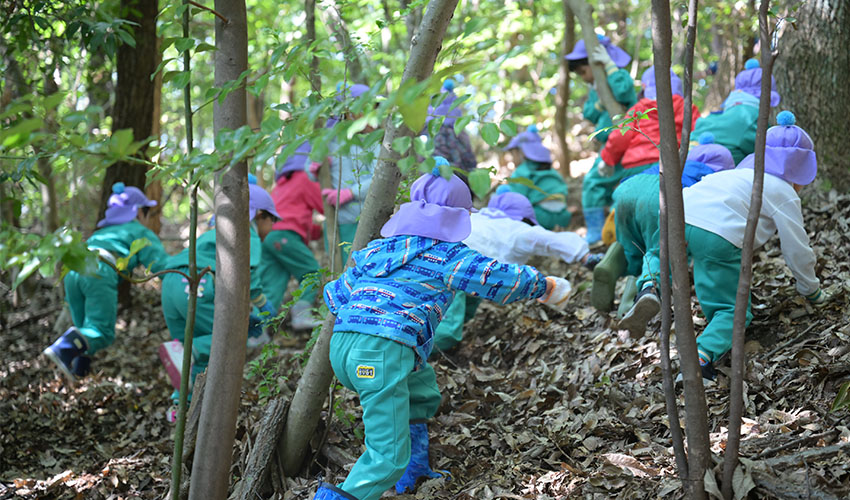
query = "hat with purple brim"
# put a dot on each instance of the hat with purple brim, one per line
(297, 161)
(749, 81)
(620, 57)
(715, 156)
(123, 204)
(438, 208)
(511, 205)
(260, 199)
(531, 145)
(649, 88)
(445, 107)
(788, 153)
(348, 92)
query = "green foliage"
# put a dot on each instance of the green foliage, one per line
(135, 247)
(265, 370)
(62, 249)
(842, 399)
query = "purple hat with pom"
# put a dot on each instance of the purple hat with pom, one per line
(620, 57)
(123, 204)
(713, 155)
(350, 92)
(510, 205)
(749, 81)
(788, 153)
(296, 161)
(445, 107)
(438, 208)
(260, 199)
(648, 80)
(531, 145)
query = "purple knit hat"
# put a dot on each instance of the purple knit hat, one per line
(438, 208)
(788, 153)
(123, 204)
(351, 92)
(715, 156)
(620, 57)
(260, 199)
(649, 88)
(531, 145)
(296, 161)
(511, 205)
(749, 81)
(445, 107)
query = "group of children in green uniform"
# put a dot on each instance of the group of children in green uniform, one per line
(411, 290)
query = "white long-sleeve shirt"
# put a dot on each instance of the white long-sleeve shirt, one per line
(719, 203)
(514, 242)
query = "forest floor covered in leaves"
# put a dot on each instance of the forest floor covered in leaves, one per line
(537, 404)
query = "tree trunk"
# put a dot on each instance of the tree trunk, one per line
(313, 387)
(695, 407)
(562, 98)
(736, 388)
(336, 24)
(134, 95)
(154, 189)
(315, 77)
(411, 20)
(812, 72)
(584, 14)
(217, 428)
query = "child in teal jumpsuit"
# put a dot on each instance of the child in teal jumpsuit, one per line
(175, 288)
(94, 299)
(386, 308)
(716, 211)
(636, 217)
(535, 163)
(601, 180)
(735, 125)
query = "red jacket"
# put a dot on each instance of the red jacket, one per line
(632, 149)
(295, 199)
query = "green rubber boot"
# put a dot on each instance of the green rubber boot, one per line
(605, 275)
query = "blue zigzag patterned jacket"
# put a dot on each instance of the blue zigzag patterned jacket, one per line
(400, 287)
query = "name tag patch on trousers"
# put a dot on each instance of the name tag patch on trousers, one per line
(365, 371)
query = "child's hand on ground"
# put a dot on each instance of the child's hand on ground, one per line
(557, 292)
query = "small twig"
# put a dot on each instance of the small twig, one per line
(35, 317)
(144, 279)
(204, 7)
(794, 442)
(327, 424)
(790, 341)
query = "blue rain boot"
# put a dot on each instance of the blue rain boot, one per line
(594, 219)
(81, 366)
(328, 491)
(418, 466)
(65, 350)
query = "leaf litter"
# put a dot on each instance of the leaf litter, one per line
(536, 404)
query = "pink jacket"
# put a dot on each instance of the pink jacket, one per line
(295, 199)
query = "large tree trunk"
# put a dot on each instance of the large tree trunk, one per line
(562, 98)
(313, 387)
(336, 24)
(217, 428)
(134, 95)
(695, 407)
(812, 72)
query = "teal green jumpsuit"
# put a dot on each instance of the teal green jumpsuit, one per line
(734, 128)
(175, 295)
(548, 182)
(93, 300)
(596, 190)
(285, 255)
(636, 222)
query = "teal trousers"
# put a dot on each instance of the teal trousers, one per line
(449, 332)
(93, 301)
(175, 302)
(636, 220)
(717, 266)
(379, 371)
(596, 190)
(285, 256)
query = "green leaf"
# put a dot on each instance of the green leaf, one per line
(508, 128)
(842, 399)
(435, 125)
(184, 44)
(204, 47)
(485, 108)
(120, 141)
(17, 134)
(461, 124)
(479, 182)
(401, 145)
(135, 247)
(27, 271)
(406, 164)
(490, 133)
(446, 172)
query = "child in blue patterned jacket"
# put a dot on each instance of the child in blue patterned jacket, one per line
(387, 306)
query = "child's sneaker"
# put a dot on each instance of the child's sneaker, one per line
(81, 366)
(647, 305)
(259, 341)
(65, 350)
(171, 414)
(302, 316)
(709, 374)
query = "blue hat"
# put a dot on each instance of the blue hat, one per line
(649, 87)
(531, 145)
(445, 108)
(749, 81)
(296, 161)
(715, 156)
(123, 204)
(510, 205)
(260, 199)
